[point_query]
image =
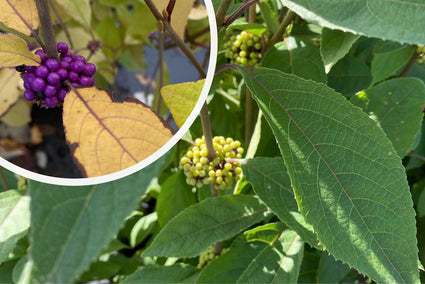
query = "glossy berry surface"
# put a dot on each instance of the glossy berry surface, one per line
(221, 171)
(47, 84)
(38, 84)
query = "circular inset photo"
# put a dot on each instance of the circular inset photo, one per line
(92, 94)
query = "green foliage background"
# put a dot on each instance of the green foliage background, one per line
(333, 188)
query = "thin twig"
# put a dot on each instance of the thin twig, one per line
(206, 129)
(47, 27)
(169, 31)
(221, 13)
(161, 71)
(278, 35)
(62, 24)
(414, 155)
(239, 12)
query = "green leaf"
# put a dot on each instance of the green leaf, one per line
(347, 179)
(14, 220)
(70, 226)
(335, 45)
(349, 76)
(176, 273)
(296, 56)
(112, 34)
(388, 58)
(228, 267)
(79, 10)
(279, 263)
(181, 99)
(14, 51)
(396, 20)
(396, 106)
(100, 270)
(143, 228)
(269, 15)
(201, 225)
(149, 22)
(266, 233)
(271, 183)
(176, 189)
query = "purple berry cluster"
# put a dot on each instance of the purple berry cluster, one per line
(46, 84)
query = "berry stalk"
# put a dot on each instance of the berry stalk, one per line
(47, 28)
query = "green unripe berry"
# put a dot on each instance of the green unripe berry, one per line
(228, 166)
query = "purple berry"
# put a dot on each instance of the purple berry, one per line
(28, 77)
(79, 58)
(91, 82)
(52, 64)
(27, 85)
(41, 71)
(67, 59)
(65, 65)
(89, 69)
(29, 95)
(53, 78)
(30, 69)
(38, 84)
(72, 76)
(41, 54)
(66, 54)
(62, 47)
(84, 81)
(50, 91)
(62, 93)
(51, 101)
(63, 74)
(77, 66)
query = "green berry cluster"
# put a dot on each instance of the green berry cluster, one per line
(420, 49)
(208, 256)
(243, 48)
(221, 171)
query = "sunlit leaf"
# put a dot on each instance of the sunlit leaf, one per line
(9, 94)
(347, 178)
(181, 99)
(396, 106)
(277, 263)
(179, 15)
(105, 136)
(267, 233)
(271, 183)
(19, 114)
(80, 10)
(20, 15)
(395, 20)
(14, 220)
(14, 52)
(204, 223)
(335, 45)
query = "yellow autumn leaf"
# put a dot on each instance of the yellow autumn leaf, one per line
(19, 114)
(14, 52)
(105, 136)
(9, 92)
(80, 10)
(20, 15)
(181, 99)
(198, 12)
(180, 13)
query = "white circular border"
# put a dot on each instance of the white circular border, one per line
(152, 158)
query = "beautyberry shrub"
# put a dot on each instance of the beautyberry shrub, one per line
(221, 171)
(46, 84)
